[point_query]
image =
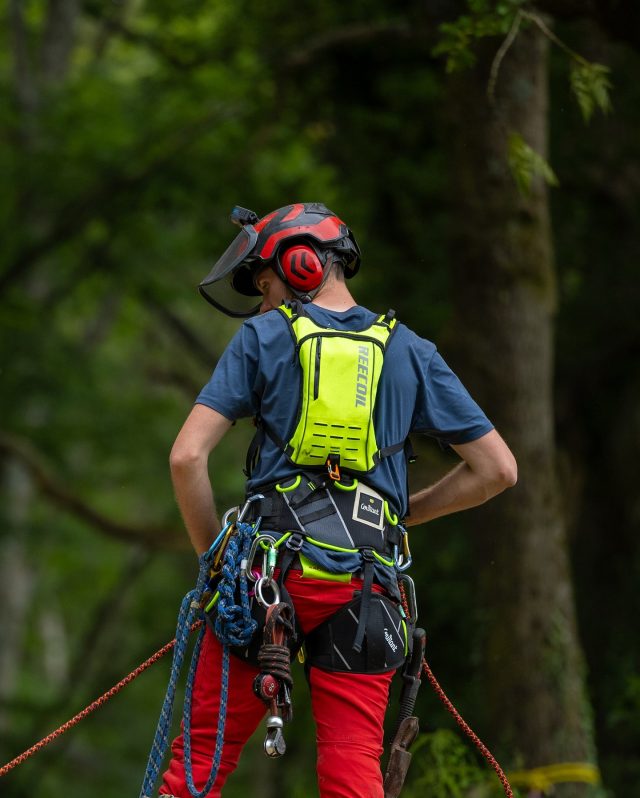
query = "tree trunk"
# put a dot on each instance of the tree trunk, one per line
(504, 296)
(16, 581)
(58, 39)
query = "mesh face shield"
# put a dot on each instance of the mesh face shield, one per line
(229, 286)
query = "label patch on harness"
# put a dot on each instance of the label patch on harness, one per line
(368, 507)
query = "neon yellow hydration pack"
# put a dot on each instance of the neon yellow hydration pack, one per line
(340, 375)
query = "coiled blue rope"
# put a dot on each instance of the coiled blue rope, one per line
(234, 626)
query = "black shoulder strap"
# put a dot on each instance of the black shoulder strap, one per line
(253, 452)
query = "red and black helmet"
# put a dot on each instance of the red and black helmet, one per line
(296, 241)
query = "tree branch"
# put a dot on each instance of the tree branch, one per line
(619, 20)
(182, 331)
(149, 536)
(99, 200)
(357, 33)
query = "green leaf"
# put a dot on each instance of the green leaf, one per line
(525, 164)
(485, 18)
(591, 85)
(447, 767)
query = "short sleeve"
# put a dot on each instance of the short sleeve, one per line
(232, 387)
(445, 410)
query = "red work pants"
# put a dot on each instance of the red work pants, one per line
(348, 709)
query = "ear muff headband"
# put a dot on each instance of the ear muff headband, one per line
(301, 268)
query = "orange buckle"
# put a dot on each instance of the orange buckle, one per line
(333, 467)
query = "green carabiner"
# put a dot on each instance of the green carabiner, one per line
(272, 556)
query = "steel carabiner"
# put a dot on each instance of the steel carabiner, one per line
(260, 585)
(256, 497)
(253, 551)
(404, 560)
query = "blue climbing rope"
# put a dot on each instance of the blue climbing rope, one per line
(234, 626)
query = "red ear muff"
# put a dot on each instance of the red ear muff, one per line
(301, 268)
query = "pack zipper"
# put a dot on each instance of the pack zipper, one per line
(316, 379)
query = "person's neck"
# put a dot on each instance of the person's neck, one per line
(335, 296)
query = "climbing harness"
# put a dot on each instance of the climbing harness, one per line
(273, 684)
(222, 595)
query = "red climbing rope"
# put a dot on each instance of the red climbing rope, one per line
(486, 753)
(93, 706)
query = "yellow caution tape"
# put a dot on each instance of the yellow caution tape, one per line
(543, 778)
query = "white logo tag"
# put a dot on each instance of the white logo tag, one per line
(368, 507)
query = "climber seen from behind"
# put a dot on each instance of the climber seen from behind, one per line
(335, 390)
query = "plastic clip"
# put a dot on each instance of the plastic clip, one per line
(333, 467)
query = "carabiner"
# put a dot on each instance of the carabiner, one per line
(253, 551)
(214, 546)
(226, 517)
(265, 582)
(256, 497)
(403, 562)
(269, 559)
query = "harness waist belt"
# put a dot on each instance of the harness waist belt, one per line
(343, 517)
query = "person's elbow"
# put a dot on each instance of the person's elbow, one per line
(505, 472)
(185, 458)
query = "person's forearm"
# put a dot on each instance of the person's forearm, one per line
(459, 489)
(195, 500)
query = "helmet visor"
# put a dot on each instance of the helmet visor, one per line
(217, 287)
(239, 249)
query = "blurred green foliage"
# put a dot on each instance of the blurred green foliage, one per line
(118, 175)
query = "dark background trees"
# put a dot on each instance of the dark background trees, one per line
(129, 131)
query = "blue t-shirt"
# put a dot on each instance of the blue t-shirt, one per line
(417, 392)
